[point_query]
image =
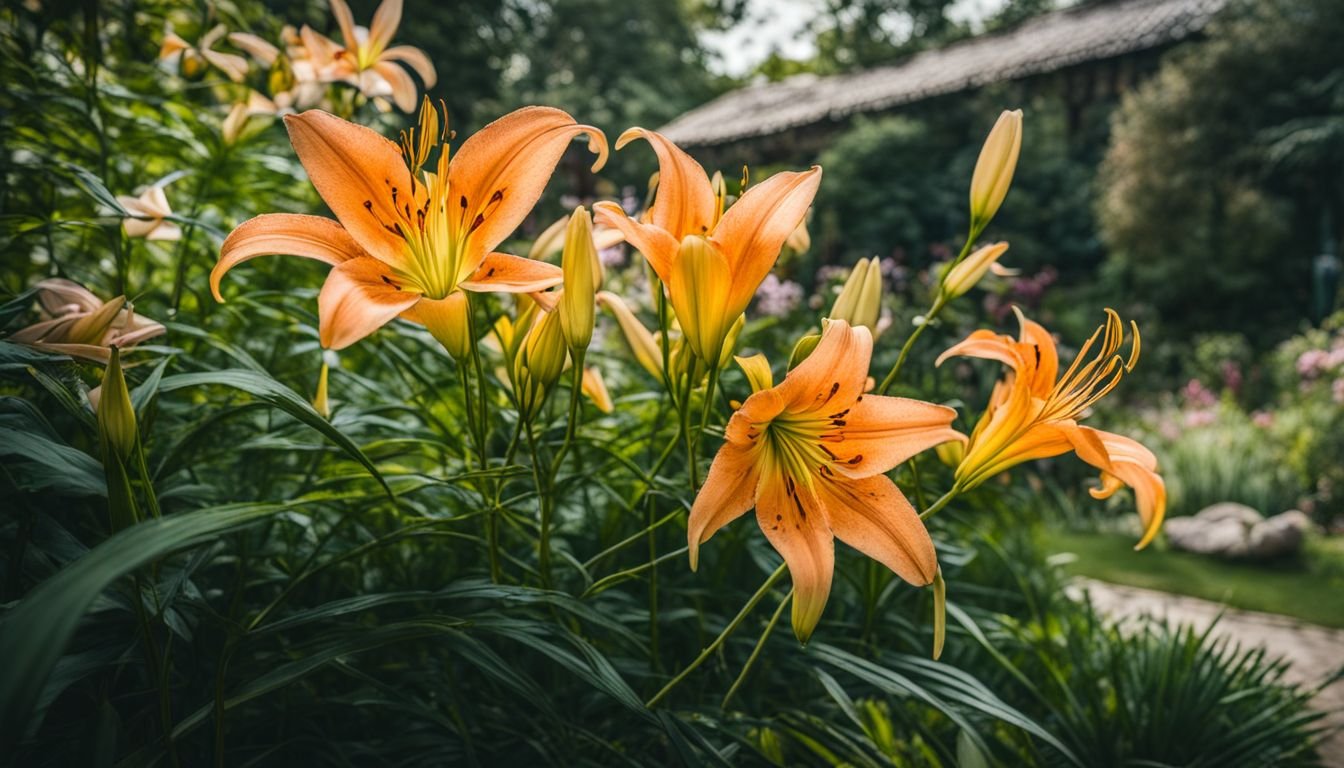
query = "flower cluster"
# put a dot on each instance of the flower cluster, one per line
(304, 68)
(415, 236)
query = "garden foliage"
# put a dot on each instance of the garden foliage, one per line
(429, 502)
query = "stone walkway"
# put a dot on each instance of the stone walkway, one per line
(1315, 651)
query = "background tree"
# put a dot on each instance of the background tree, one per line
(1223, 168)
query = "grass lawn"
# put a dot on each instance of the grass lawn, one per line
(1310, 588)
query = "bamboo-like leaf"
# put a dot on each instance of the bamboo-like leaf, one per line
(279, 396)
(35, 633)
(52, 466)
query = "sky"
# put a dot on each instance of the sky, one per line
(782, 25)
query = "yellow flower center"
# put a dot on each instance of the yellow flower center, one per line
(434, 229)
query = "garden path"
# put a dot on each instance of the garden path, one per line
(1315, 651)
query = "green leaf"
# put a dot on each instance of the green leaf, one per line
(35, 633)
(272, 392)
(51, 465)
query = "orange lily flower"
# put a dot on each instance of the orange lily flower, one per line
(408, 248)
(77, 323)
(711, 260)
(811, 455)
(1033, 415)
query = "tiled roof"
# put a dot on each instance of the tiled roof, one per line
(1044, 44)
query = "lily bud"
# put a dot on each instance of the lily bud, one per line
(951, 452)
(193, 66)
(582, 274)
(544, 350)
(860, 300)
(281, 77)
(803, 348)
(116, 415)
(994, 169)
(699, 289)
(964, 276)
(730, 341)
(320, 403)
(757, 369)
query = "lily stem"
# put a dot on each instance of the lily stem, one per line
(718, 641)
(939, 302)
(543, 510)
(755, 652)
(940, 503)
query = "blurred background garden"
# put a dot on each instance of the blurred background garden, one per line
(1182, 162)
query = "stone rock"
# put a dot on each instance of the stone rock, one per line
(1230, 510)
(1235, 531)
(1280, 535)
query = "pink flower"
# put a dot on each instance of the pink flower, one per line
(1311, 363)
(1196, 395)
(1262, 419)
(777, 297)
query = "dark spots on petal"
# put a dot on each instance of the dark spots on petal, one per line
(857, 458)
(838, 422)
(389, 281)
(491, 272)
(828, 451)
(476, 223)
(463, 201)
(368, 206)
(859, 399)
(779, 517)
(497, 196)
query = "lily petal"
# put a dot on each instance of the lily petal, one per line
(356, 171)
(754, 229)
(987, 345)
(729, 491)
(874, 517)
(659, 247)
(795, 524)
(505, 273)
(403, 87)
(384, 25)
(312, 237)
(357, 299)
(57, 295)
(1136, 466)
(346, 20)
(881, 432)
(415, 59)
(641, 341)
(499, 173)
(685, 203)
(255, 46)
(835, 372)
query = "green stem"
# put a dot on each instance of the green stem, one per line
(718, 641)
(765, 635)
(619, 576)
(544, 511)
(940, 503)
(938, 303)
